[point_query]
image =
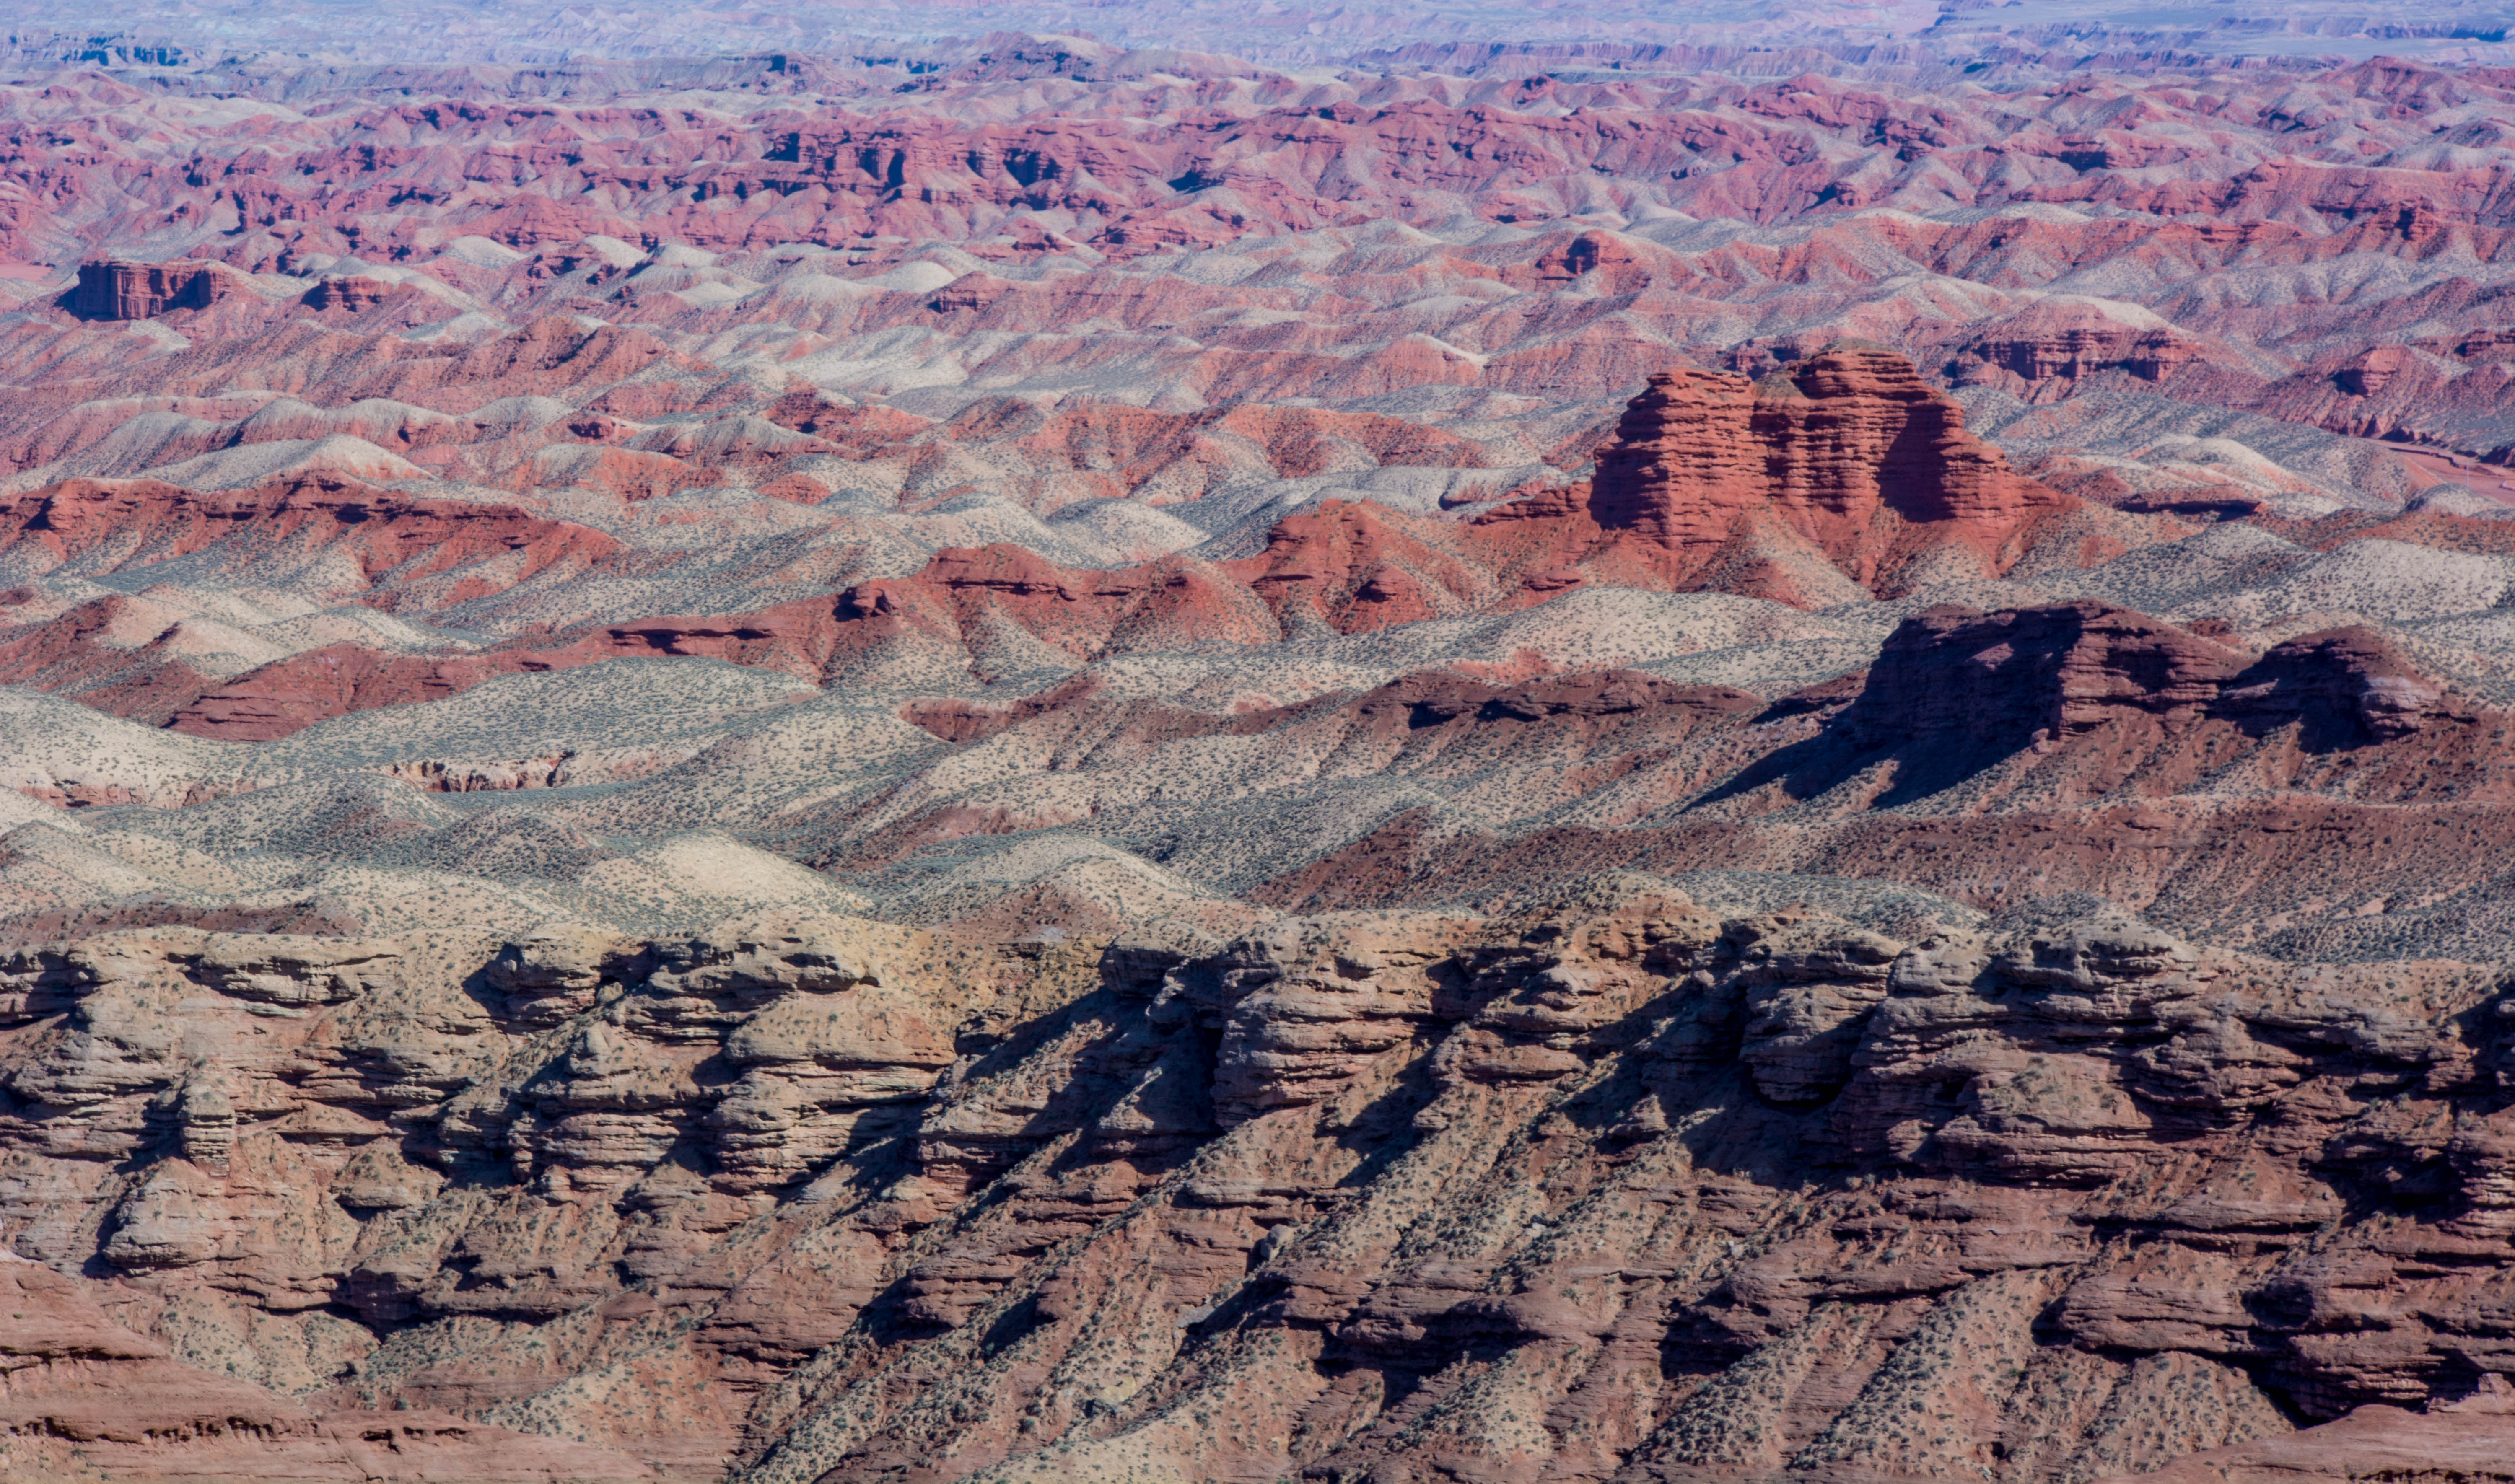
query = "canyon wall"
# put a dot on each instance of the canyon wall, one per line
(1616, 1189)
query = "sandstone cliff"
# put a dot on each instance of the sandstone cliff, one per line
(116, 290)
(1849, 454)
(1620, 1189)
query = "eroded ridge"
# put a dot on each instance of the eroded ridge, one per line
(1615, 1189)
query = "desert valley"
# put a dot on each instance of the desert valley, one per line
(1423, 742)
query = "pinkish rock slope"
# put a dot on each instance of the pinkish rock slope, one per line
(1750, 745)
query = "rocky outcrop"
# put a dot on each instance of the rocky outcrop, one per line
(1856, 429)
(1711, 1197)
(1684, 465)
(2043, 352)
(1840, 449)
(2463, 1439)
(350, 295)
(118, 290)
(1845, 472)
(1990, 758)
(2343, 684)
(372, 532)
(81, 1394)
(2150, 354)
(1995, 683)
(2025, 677)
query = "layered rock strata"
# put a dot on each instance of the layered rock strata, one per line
(2299, 790)
(81, 1394)
(1849, 453)
(1994, 684)
(1845, 477)
(118, 290)
(1621, 1189)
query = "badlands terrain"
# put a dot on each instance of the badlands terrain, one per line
(1428, 743)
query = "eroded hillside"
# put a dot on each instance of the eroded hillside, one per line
(1756, 745)
(1615, 1189)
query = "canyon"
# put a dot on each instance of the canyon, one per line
(1440, 743)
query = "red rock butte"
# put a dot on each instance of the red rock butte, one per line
(1849, 453)
(116, 290)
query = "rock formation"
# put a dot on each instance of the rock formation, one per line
(1849, 453)
(116, 290)
(2046, 353)
(84, 1394)
(1870, 482)
(911, 758)
(2032, 676)
(352, 295)
(1708, 1197)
